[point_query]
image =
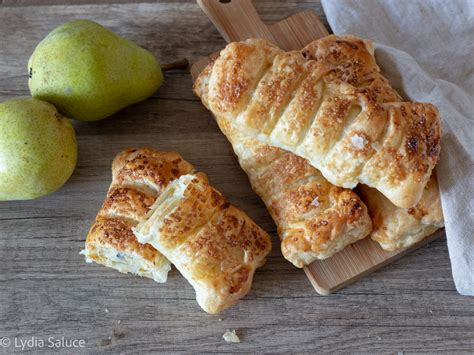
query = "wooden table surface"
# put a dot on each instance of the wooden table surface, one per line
(47, 290)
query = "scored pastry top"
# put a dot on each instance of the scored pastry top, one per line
(138, 178)
(315, 219)
(329, 104)
(216, 246)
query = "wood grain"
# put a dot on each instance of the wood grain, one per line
(46, 289)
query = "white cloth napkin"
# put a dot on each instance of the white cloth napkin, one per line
(426, 50)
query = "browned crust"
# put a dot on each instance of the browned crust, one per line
(396, 228)
(289, 186)
(138, 177)
(412, 145)
(215, 245)
(258, 95)
(117, 233)
(350, 59)
(227, 251)
(312, 215)
(149, 168)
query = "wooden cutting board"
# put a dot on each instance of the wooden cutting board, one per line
(238, 20)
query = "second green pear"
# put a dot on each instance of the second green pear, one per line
(89, 73)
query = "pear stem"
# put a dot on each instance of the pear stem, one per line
(178, 65)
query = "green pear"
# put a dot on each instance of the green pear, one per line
(89, 73)
(38, 150)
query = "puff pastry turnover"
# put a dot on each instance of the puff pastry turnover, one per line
(214, 245)
(352, 60)
(307, 106)
(396, 228)
(315, 219)
(139, 176)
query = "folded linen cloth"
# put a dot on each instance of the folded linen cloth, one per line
(425, 49)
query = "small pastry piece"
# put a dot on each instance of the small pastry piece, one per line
(396, 228)
(139, 176)
(310, 108)
(230, 336)
(214, 245)
(315, 219)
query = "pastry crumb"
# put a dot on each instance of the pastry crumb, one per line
(230, 336)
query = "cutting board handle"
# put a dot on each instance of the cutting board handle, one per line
(236, 20)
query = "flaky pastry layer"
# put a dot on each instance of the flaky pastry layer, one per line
(330, 105)
(139, 176)
(214, 245)
(397, 228)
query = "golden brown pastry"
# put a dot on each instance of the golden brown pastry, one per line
(315, 219)
(352, 60)
(349, 132)
(396, 228)
(214, 245)
(139, 176)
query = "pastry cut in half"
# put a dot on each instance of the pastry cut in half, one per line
(139, 176)
(158, 210)
(214, 245)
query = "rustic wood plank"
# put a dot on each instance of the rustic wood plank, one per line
(46, 289)
(269, 10)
